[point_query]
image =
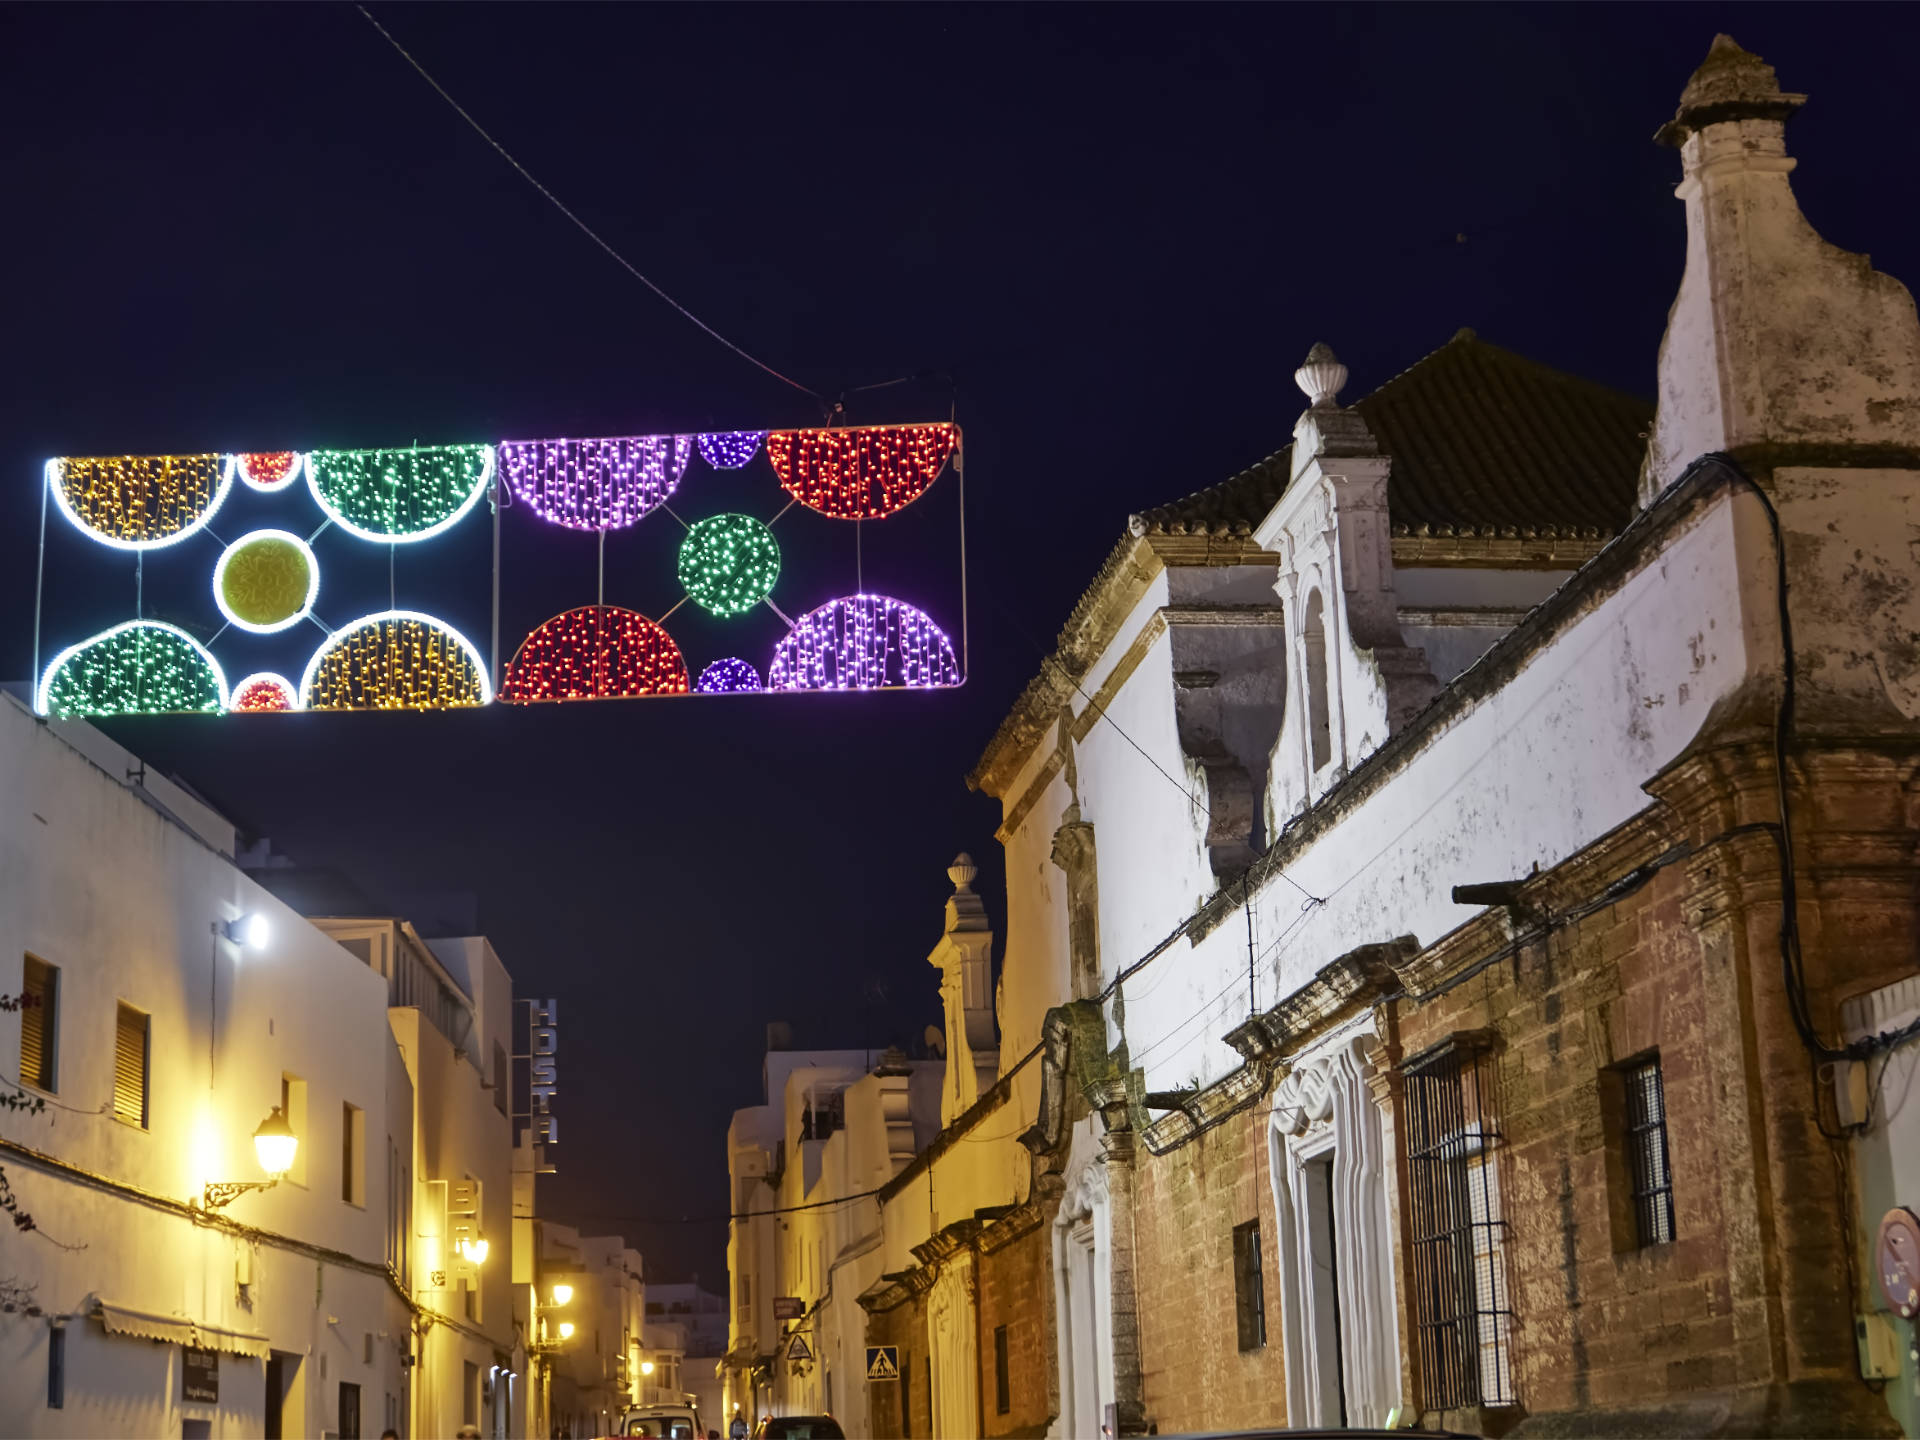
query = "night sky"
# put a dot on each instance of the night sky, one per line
(1117, 230)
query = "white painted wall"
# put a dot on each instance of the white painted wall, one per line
(123, 896)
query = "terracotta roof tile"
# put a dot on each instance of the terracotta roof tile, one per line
(1485, 441)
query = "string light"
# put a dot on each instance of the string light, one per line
(862, 473)
(596, 484)
(270, 471)
(597, 652)
(399, 496)
(730, 676)
(730, 449)
(864, 642)
(264, 691)
(395, 660)
(266, 581)
(139, 667)
(139, 502)
(728, 563)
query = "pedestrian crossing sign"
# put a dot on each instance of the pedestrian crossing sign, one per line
(799, 1350)
(883, 1362)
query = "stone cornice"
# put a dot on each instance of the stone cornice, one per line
(1130, 568)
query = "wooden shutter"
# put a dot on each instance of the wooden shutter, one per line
(37, 1024)
(130, 1066)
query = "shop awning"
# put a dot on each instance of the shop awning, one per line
(118, 1319)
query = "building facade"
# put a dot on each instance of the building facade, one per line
(145, 1301)
(1461, 903)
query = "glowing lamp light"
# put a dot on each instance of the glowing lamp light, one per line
(646, 1367)
(252, 931)
(728, 563)
(139, 502)
(399, 496)
(566, 1329)
(595, 484)
(266, 581)
(731, 676)
(474, 1251)
(861, 473)
(275, 1144)
(730, 449)
(864, 642)
(562, 1294)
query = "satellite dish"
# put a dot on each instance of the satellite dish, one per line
(936, 1042)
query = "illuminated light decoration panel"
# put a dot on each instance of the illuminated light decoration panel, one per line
(395, 660)
(597, 652)
(597, 484)
(141, 667)
(399, 496)
(266, 582)
(864, 642)
(139, 502)
(860, 473)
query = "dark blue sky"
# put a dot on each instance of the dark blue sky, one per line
(1118, 229)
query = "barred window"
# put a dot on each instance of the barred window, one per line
(1249, 1292)
(1002, 1379)
(1646, 1145)
(1456, 1228)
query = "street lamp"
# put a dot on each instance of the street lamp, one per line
(274, 1145)
(475, 1250)
(566, 1329)
(646, 1367)
(251, 931)
(562, 1294)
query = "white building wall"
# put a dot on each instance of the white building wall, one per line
(124, 895)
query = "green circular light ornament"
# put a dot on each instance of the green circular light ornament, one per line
(728, 563)
(266, 581)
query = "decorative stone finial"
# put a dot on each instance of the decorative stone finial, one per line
(961, 872)
(1321, 377)
(1731, 84)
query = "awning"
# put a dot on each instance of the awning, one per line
(120, 1319)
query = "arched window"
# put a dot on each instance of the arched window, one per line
(1313, 632)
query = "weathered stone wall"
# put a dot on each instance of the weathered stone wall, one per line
(1744, 1321)
(1016, 1290)
(1186, 1204)
(905, 1326)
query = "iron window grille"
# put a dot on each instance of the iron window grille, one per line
(1646, 1141)
(1249, 1293)
(1002, 1378)
(1464, 1316)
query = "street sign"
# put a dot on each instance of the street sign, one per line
(883, 1362)
(200, 1375)
(799, 1350)
(788, 1307)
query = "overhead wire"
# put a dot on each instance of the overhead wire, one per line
(582, 225)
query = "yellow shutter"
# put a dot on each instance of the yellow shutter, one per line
(36, 1025)
(130, 1066)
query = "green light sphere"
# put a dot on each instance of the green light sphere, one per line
(728, 563)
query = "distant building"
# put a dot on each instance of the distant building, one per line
(596, 1367)
(701, 1320)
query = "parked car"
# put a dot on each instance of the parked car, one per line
(663, 1422)
(800, 1427)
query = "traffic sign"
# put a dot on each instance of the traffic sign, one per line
(883, 1362)
(799, 1350)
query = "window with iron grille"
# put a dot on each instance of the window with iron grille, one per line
(1456, 1229)
(1002, 1377)
(1646, 1145)
(1249, 1289)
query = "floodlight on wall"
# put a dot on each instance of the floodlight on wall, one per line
(274, 1146)
(251, 931)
